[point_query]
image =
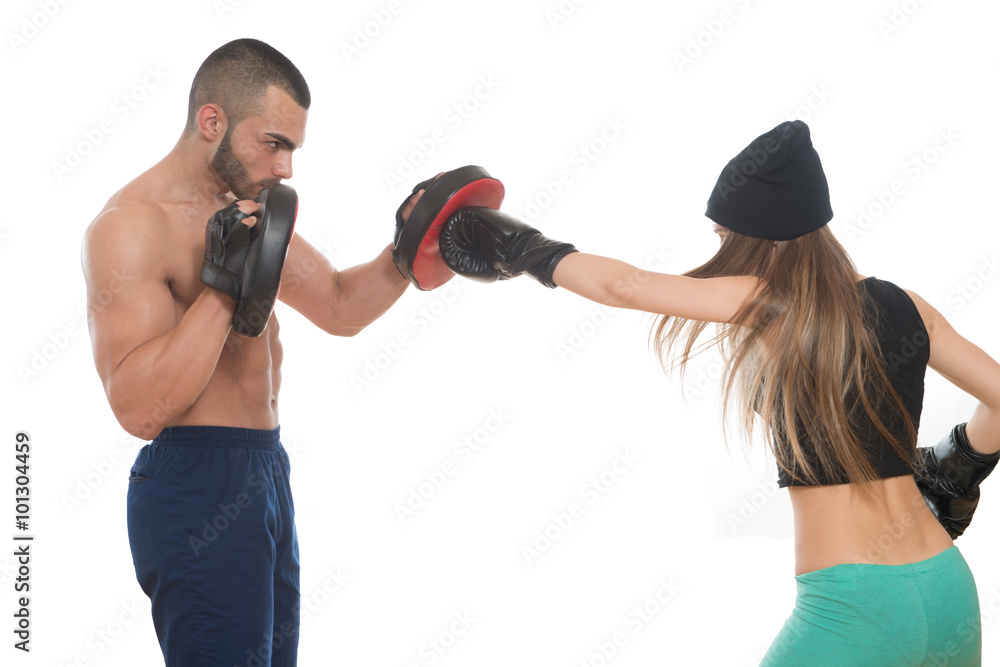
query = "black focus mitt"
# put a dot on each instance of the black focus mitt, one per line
(244, 262)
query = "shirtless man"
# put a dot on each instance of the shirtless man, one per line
(210, 514)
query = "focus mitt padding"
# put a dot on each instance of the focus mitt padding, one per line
(415, 245)
(269, 240)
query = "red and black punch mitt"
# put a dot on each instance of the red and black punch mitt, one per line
(415, 250)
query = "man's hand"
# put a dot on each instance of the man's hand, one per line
(227, 238)
(409, 204)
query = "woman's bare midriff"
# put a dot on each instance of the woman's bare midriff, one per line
(835, 525)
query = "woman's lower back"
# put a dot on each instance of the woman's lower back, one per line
(836, 525)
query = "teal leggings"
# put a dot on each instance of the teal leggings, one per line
(924, 614)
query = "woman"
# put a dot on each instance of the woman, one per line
(831, 364)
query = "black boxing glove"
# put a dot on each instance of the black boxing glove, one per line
(949, 475)
(226, 243)
(415, 245)
(486, 245)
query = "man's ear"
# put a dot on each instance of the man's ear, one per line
(212, 122)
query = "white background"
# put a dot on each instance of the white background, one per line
(878, 82)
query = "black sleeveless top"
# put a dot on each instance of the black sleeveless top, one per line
(905, 348)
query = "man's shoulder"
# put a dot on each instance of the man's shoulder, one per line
(130, 230)
(127, 217)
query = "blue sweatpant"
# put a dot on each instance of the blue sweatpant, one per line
(212, 529)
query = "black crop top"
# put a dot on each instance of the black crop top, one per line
(905, 348)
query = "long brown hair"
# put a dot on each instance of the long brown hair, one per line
(799, 354)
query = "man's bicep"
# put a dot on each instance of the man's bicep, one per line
(309, 283)
(128, 298)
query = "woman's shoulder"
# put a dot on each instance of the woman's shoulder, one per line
(889, 295)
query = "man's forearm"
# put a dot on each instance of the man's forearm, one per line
(366, 291)
(163, 377)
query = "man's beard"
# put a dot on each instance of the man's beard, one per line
(231, 170)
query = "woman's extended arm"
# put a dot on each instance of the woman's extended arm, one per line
(616, 283)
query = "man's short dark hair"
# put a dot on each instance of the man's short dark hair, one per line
(236, 75)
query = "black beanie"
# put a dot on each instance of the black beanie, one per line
(775, 188)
